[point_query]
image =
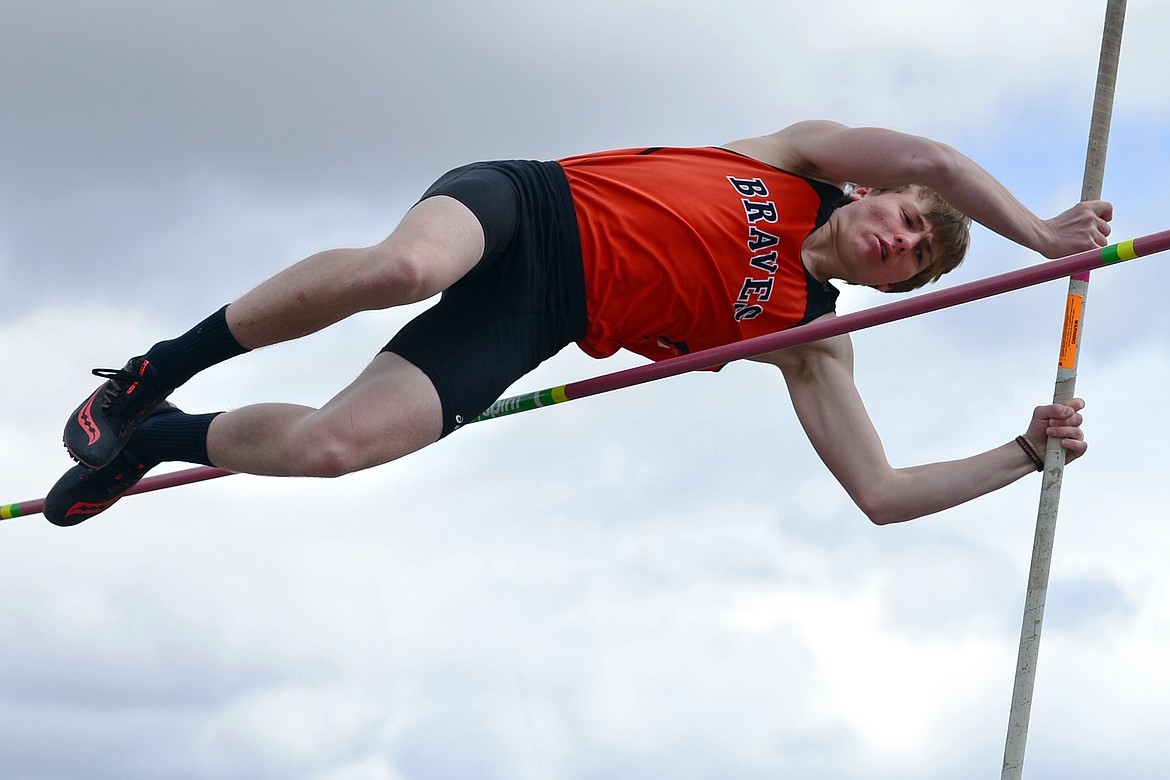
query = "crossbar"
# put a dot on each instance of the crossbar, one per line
(825, 328)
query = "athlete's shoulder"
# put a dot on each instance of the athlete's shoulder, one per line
(787, 149)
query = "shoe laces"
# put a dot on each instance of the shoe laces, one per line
(119, 395)
(119, 376)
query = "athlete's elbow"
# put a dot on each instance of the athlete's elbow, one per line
(881, 507)
(879, 514)
(886, 517)
(939, 166)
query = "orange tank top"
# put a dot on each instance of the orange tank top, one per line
(690, 248)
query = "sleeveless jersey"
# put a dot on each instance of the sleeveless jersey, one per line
(690, 248)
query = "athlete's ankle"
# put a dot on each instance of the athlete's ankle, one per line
(208, 343)
(173, 435)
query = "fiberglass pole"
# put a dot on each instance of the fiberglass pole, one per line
(1066, 376)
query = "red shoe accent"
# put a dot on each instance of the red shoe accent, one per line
(85, 419)
(141, 372)
(88, 510)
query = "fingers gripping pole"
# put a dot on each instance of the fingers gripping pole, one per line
(1066, 375)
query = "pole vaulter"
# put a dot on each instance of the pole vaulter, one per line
(1079, 263)
(1066, 377)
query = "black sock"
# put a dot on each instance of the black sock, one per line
(172, 435)
(203, 346)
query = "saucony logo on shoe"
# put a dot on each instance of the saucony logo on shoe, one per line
(86, 421)
(88, 510)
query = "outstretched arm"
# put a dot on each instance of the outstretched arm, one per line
(875, 157)
(820, 381)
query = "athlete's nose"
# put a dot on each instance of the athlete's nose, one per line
(904, 243)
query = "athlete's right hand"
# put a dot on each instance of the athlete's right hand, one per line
(1084, 226)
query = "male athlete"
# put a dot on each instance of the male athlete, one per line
(659, 251)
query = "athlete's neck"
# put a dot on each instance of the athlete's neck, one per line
(818, 255)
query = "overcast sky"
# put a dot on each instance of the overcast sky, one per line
(663, 582)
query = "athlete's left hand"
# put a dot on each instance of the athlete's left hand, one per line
(1061, 421)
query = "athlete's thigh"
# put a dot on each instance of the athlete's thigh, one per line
(390, 410)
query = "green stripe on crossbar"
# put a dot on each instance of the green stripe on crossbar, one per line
(1118, 253)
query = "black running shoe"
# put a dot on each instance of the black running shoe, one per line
(83, 493)
(99, 428)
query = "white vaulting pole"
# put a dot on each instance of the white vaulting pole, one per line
(1066, 376)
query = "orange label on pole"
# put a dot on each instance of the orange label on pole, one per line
(1072, 331)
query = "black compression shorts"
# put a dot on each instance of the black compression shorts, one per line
(521, 304)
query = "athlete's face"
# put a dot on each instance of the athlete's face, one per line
(883, 238)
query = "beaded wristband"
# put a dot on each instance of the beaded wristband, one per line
(1026, 446)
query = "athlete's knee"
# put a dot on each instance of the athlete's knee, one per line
(435, 245)
(323, 460)
(397, 272)
(321, 451)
